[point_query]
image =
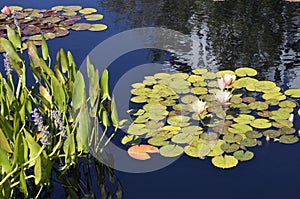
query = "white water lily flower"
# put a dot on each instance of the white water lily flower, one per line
(223, 96)
(199, 106)
(221, 84)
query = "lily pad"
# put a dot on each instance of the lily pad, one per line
(81, 26)
(253, 134)
(249, 99)
(182, 138)
(197, 151)
(243, 156)
(287, 104)
(240, 128)
(158, 141)
(98, 27)
(178, 120)
(137, 129)
(93, 17)
(242, 72)
(230, 148)
(261, 106)
(261, 124)
(199, 71)
(87, 11)
(171, 150)
(232, 138)
(293, 92)
(130, 140)
(271, 133)
(244, 119)
(288, 139)
(224, 162)
(140, 152)
(249, 142)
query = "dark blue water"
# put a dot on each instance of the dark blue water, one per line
(261, 34)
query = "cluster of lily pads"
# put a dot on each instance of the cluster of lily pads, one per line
(52, 23)
(231, 118)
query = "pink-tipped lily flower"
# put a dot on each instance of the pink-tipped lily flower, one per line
(223, 97)
(6, 10)
(228, 79)
(199, 106)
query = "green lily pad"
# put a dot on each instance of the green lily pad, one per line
(243, 82)
(242, 72)
(224, 162)
(16, 8)
(288, 139)
(216, 149)
(240, 128)
(287, 130)
(287, 104)
(199, 90)
(293, 92)
(277, 95)
(189, 99)
(72, 8)
(277, 115)
(58, 8)
(182, 138)
(249, 142)
(261, 106)
(209, 75)
(272, 102)
(253, 134)
(199, 71)
(87, 11)
(191, 129)
(171, 150)
(271, 133)
(158, 141)
(178, 120)
(264, 85)
(230, 148)
(244, 119)
(200, 150)
(279, 123)
(261, 124)
(130, 140)
(137, 129)
(243, 156)
(69, 13)
(232, 138)
(139, 99)
(98, 27)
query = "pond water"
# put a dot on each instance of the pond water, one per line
(264, 35)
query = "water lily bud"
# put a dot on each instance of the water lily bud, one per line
(228, 79)
(291, 118)
(6, 10)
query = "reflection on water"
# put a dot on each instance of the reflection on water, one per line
(261, 34)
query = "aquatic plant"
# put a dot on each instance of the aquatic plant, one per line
(242, 112)
(45, 124)
(57, 22)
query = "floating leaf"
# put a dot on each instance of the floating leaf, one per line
(198, 151)
(253, 134)
(130, 140)
(140, 152)
(98, 27)
(249, 142)
(230, 148)
(137, 129)
(224, 162)
(81, 26)
(158, 141)
(240, 128)
(93, 17)
(261, 106)
(288, 139)
(243, 156)
(244, 119)
(261, 124)
(242, 72)
(271, 133)
(171, 150)
(182, 138)
(87, 11)
(293, 92)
